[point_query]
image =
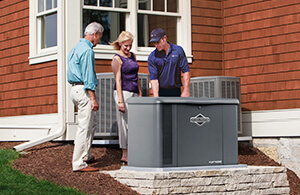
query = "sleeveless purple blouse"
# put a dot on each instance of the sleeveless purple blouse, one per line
(129, 74)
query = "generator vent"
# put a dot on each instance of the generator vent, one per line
(107, 109)
(217, 87)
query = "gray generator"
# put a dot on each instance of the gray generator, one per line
(180, 132)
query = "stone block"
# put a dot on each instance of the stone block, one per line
(270, 151)
(280, 183)
(151, 191)
(261, 185)
(280, 191)
(196, 182)
(238, 187)
(181, 174)
(166, 183)
(240, 179)
(269, 177)
(218, 180)
(255, 170)
(296, 152)
(212, 173)
(209, 189)
(181, 190)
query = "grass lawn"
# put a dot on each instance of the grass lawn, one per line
(14, 182)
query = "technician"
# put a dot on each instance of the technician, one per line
(165, 65)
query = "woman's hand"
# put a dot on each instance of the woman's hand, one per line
(121, 107)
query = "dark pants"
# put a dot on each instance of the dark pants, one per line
(173, 92)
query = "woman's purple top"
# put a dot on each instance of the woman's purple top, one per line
(129, 74)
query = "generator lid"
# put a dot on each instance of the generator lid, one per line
(181, 100)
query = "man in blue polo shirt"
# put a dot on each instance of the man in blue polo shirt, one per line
(165, 65)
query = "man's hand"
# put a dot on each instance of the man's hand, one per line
(185, 93)
(95, 105)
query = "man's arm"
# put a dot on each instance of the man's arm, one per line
(155, 87)
(186, 85)
(95, 106)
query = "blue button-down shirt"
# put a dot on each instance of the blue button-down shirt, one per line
(81, 65)
(167, 68)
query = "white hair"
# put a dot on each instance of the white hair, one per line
(92, 28)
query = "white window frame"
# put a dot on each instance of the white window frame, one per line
(74, 21)
(36, 53)
(142, 53)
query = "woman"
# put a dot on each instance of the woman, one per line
(125, 70)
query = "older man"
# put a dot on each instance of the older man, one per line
(81, 75)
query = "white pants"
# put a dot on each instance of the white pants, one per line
(87, 124)
(122, 118)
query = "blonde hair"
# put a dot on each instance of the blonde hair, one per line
(124, 36)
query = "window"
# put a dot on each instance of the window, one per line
(55, 26)
(43, 30)
(111, 14)
(157, 14)
(47, 23)
(139, 17)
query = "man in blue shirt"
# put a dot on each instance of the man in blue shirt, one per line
(165, 65)
(81, 75)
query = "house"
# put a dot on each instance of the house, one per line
(255, 40)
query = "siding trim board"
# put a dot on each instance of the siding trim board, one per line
(272, 123)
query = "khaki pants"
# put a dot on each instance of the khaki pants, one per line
(122, 118)
(87, 124)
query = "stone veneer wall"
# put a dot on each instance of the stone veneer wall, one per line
(249, 180)
(285, 151)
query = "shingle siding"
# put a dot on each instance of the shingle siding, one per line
(24, 89)
(261, 46)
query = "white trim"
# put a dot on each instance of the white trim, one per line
(105, 142)
(46, 12)
(21, 128)
(36, 54)
(141, 56)
(272, 123)
(57, 131)
(42, 58)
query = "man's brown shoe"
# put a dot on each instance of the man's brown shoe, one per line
(87, 169)
(91, 160)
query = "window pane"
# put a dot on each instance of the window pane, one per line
(90, 2)
(144, 4)
(172, 6)
(106, 3)
(50, 31)
(146, 23)
(113, 23)
(48, 4)
(41, 6)
(121, 3)
(158, 5)
(54, 3)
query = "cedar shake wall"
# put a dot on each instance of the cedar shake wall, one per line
(24, 89)
(206, 38)
(261, 46)
(255, 40)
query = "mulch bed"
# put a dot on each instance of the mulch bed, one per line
(52, 161)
